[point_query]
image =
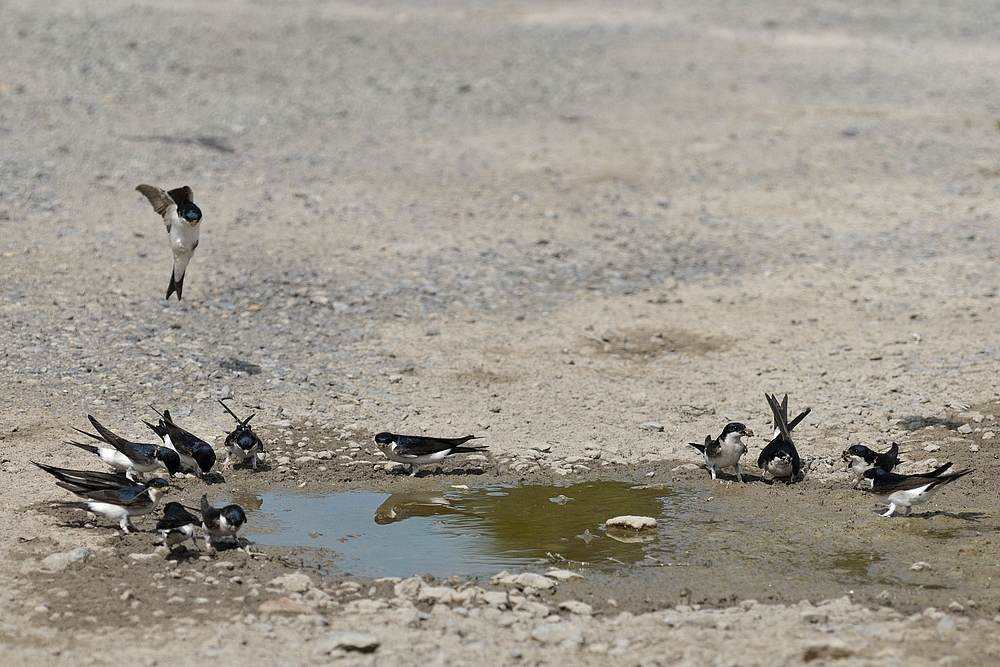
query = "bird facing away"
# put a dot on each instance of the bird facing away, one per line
(779, 457)
(181, 217)
(418, 450)
(726, 450)
(177, 525)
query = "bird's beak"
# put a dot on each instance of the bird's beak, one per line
(748, 433)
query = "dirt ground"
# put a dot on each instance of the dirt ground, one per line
(551, 224)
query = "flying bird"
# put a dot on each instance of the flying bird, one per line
(418, 450)
(181, 216)
(726, 450)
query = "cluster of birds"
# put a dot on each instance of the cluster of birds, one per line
(125, 493)
(781, 460)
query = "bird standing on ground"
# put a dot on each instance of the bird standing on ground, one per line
(726, 450)
(223, 522)
(908, 490)
(114, 497)
(242, 442)
(779, 457)
(859, 459)
(418, 450)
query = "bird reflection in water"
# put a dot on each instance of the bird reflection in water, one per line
(401, 506)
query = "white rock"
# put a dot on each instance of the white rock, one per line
(536, 581)
(60, 561)
(564, 634)
(656, 427)
(408, 588)
(932, 448)
(920, 566)
(436, 594)
(576, 607)
(563, 575)
(496, 598)
(292, 583)
(634, 522)
(349, 640)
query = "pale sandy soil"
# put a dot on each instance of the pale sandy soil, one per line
(549, 223)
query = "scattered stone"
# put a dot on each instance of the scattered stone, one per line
(829, 649)
(141, 557)
(932, 448)
(563, 575)
(956, 606)
(577, 607)
(633, 522)
(973, 448)
(566, 635)
(814, 616)
(920, 566)
(60, 561)
(295, 582)
(410, 588)
(536, 581)
(684, 467)
(348, 640)
(656, 427)
(496, 598)
(282, 606)
(561, 499)
(989, 435)
(965, 429)
(436, 594)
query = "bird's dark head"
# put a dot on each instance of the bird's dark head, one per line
(189, 213)
(204, 457)
(860, 451)
(737, 429)
(235, 516)
(170, 459)
(243, 438)
(384, 438)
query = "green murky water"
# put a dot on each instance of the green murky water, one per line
(468, 532)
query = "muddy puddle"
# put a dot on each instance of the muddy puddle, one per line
(713, 542)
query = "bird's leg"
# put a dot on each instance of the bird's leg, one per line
(739, 475)
(711, 469)
(414, 468)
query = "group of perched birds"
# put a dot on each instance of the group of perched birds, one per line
(781, 460)
(125, 493)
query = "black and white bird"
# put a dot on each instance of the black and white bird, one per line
(221, 523)
(196, 455)
(726, 450)
(242, 442)
(779, 457)
(129, 457)
(114, 497)
(908, 490)
(418, 450)
(177, 525)
(859, 459)
(181, 217)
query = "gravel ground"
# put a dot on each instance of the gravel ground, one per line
(545, 223)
